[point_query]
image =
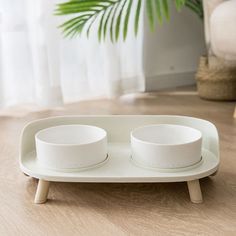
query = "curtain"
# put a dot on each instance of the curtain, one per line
(38, 65)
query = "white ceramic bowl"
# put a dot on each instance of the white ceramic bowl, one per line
(166, 146)
(68, 147)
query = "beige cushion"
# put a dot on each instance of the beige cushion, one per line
(223, 30)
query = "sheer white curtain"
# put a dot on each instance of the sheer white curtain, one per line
(38, 65)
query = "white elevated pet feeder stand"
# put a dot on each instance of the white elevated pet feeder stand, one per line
(119, 166)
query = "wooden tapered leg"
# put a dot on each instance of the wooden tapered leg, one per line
(195, 192)
(42, 191)
(235, 112)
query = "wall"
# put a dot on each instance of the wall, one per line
(172, 52)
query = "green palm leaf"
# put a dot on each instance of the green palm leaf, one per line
(126, 23)
(165, 6)
(112, 13)
(150, 14)
(158, 10)
(109, 12)
(196, 6)
(179, 4)
(136, 22)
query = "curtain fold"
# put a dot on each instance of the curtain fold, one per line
(38, 65)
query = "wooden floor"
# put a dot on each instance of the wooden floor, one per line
(120, 209)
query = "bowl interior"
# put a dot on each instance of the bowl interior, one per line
(71, 134)
(165, 134)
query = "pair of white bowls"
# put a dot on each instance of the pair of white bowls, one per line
(71, 147)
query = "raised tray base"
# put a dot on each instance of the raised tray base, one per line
(119, 168)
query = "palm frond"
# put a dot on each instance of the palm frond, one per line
(116, 14)
(136, 22)
(179, 4)
(196, 6)
(166, 9)
(158, 4)
(87, 12)
(126, 22)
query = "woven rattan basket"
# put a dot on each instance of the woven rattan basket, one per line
(216, 82)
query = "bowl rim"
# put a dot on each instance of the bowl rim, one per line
(103, 136)
(165, 144)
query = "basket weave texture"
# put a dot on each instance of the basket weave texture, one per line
(216, 82)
